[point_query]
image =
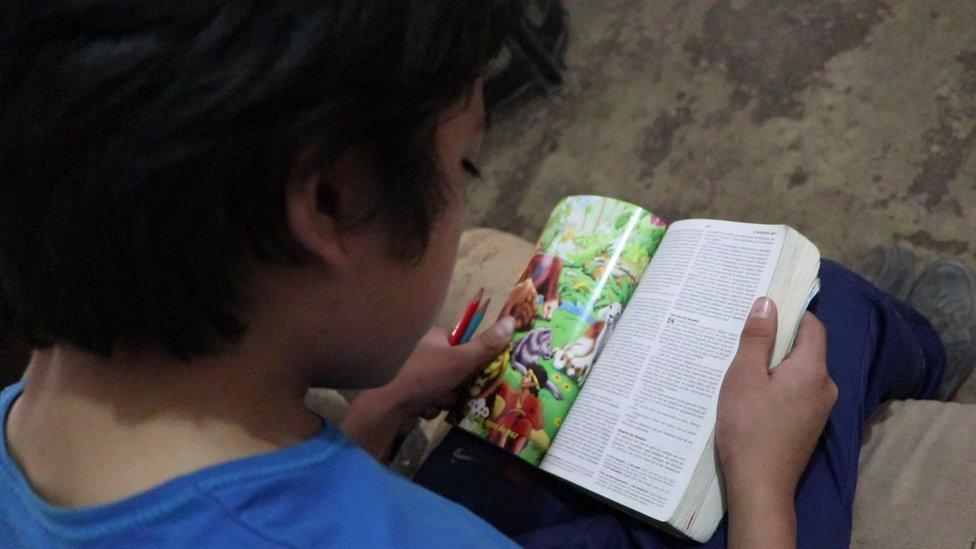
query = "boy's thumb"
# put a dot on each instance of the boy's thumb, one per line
(758, 339)
(488, 344)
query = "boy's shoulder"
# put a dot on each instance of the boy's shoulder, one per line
(341, 494)
(325, 490)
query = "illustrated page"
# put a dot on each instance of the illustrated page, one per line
(566, 304)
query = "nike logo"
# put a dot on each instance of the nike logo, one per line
(458, 453)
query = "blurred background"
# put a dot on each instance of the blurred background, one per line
(853, 121)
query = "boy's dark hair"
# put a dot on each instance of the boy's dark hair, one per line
(145, 147)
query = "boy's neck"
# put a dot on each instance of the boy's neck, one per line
(88, 430)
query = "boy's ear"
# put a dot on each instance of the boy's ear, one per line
(312, 207)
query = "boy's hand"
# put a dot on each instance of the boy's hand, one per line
(768, 425)
(431, 378)
(427, 383)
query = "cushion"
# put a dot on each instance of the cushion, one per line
(917, 477)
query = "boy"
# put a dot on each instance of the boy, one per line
(209, 207)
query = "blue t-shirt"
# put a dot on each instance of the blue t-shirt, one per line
(323, 492)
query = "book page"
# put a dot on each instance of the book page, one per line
(573, 290)
(637, 432)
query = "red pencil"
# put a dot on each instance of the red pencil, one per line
(469, 311)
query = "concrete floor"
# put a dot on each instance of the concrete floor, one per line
(853, 121)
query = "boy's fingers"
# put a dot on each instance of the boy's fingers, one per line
(487, 345)
(446, 401)
(757, 341)
(811, 340)
(430, 412)
(809, 356)
(439, 333)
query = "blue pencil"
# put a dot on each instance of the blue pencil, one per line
(475, 322)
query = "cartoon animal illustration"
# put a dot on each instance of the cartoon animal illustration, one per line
(535, 346)
(521, 305)
(517, 413)
(483, 385)
(579, 355)
(620, 273)
(490, 377)
(542, 276)
(544, 270)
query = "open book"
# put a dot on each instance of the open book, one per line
(625, 329)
